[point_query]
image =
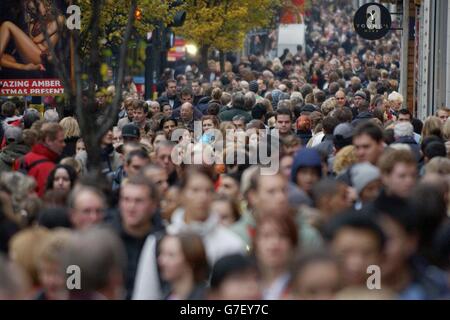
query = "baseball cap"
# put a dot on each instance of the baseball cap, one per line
(131, 130)
(343, 135)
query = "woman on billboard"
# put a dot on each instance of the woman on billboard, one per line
(31, 44)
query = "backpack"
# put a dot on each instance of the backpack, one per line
(25, 168)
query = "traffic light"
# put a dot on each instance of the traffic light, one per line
(138, 14)
(179, 16)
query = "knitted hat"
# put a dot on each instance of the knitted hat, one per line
(253, 86)
(362, 174)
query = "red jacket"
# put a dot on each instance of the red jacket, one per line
(41, 171)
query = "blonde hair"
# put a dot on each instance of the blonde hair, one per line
(74, 163)
(328, 106)
(70, 126)
(432, 126)
(24, 247)
(53, 246)
(344, 159)
(439, 165)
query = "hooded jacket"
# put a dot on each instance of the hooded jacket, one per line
(305, 158)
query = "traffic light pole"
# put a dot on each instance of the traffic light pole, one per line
(153, 62)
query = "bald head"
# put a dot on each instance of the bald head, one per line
(186, 111)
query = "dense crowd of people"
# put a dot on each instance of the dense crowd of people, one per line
(180, 211)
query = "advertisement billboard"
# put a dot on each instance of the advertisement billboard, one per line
(29, 29)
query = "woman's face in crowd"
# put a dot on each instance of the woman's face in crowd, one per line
(53, 282)
(273, 248)
(317, 281)
(80, 147)
(61, 180)
(171, 259)
(197, 196)
(168, 128)
(225, 211)
(167, 110)
(207, 125)
(154, 108)
(108, 138)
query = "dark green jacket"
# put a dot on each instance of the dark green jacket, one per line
(229, 114)
(10, 153)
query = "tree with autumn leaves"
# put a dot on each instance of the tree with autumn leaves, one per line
(223, 24)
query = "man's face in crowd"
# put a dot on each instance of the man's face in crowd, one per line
(241, 286)
(139, 115)
(271, 195)
(186, 98)
(401, 180)
(318, 281)
(443, 116)
(261, 85)
(284, 123)
(159, 178)
(356, 64)
(136, 206)
(396, 104)
(371, 191)
(286, 165)
(171, 89)
(356, 249)
(164, 159)
(404, 117)
(56, 145)
(387, 59)
(229, 187)
(136, 164)
(357, 100)
(304, 123)
(240, 124)
(340, 98)
(400, 246)
(198, 196)
(367, 149)
(88, 210)
(196, 89)
(306, 178)
(186, 112)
